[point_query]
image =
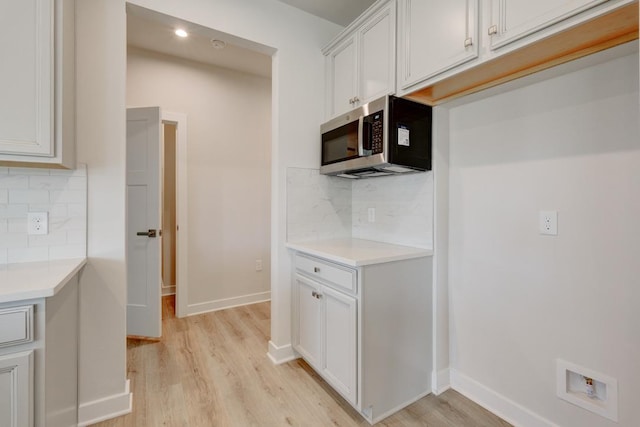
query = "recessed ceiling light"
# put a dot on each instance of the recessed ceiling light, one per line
(181, 33)
(218, 44)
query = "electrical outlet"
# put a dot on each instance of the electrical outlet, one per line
(258, 265)
(549, 223)
(38, 223)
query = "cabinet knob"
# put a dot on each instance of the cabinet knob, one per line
(468, 42)
(493, 30)
(316, 269)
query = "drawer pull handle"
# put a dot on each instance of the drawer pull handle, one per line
(316, 295)
(316, 269)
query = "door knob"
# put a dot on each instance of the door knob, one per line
(149, 233)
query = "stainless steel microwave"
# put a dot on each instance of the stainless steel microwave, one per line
(387, 136)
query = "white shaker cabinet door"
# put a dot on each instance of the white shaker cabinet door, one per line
(341, 72)
(309, 310)
(16, 389)
(340, 327)
(26, 77)
(377, 56)
(435, 36)
(512, 20)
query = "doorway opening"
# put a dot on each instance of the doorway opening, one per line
(169, 211)
(222, 87)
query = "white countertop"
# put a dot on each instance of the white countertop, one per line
(27, 280)
(357, 252)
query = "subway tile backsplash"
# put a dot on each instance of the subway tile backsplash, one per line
(61, 193)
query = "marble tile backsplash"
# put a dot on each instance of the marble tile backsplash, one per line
(323, 207)
(403, 209)
(318, 206)
(61, 193)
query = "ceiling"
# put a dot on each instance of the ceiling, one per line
(154, 31)
(341, 12)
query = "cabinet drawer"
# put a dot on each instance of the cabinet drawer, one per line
(340, 277)
(16, 325)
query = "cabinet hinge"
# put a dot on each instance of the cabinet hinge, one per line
(468, 42)
(493, 30)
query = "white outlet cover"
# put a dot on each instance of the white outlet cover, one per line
(548, 223)
(38, 223)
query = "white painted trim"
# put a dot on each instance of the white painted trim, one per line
(182, 280)
(105, 408)
(496, 403)
(221, 304)
(440, 381)
(282, 354)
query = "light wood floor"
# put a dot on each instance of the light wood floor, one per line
(212, 370)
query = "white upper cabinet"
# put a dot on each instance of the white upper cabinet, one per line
(512, 20)
(37, 81)
(342, 76)
(435, 36)
(361, 61)
(377, 55)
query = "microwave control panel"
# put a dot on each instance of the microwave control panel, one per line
(377, 132)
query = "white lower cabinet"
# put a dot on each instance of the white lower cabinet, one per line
(327, 333)
(366, 330)
(16, 389)
(39, 360)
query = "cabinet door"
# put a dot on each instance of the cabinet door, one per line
(16, 389)
(435, 36)
(515, 19)
(308, 312)
(341, 82)
(340, 342)
(26, 77)
(376, 65)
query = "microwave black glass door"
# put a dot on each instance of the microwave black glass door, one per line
(340, 144)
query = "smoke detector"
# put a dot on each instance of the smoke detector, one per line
(218, 44)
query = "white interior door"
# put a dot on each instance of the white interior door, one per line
(144, 316)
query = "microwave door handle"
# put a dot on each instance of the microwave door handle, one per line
(360, 136)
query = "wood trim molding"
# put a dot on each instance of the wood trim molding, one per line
(606, 31)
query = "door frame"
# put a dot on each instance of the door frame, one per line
(182, 282)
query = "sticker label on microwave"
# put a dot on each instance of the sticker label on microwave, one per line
(403, 136)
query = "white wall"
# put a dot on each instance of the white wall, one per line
(228, 167)
(100, 138)
(519, 300)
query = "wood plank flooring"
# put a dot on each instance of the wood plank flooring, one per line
(212, 370)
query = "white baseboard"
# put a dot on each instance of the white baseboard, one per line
(105, 408)
(496, 403)
(282, 354)
(440, 381)
(221, 304)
